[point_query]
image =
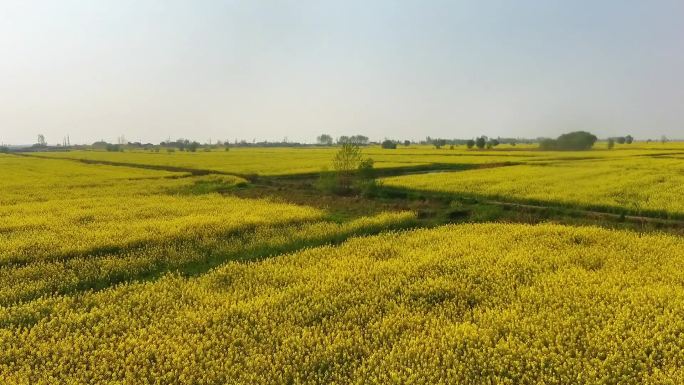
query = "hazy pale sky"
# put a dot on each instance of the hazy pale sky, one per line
(399, 69)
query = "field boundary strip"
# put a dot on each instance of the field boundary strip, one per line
(193, 171)
(381, 172)
(587, 212)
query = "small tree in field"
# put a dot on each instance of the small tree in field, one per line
(345, 164)
(324, 139)
(365, 182)
(611, 143)
(573, 141)
(470, 143)
(350, 173)
(438, 143)
(481, 142)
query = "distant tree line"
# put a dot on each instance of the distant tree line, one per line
(573, 141)
(480, 142)
(622, 139)
(182, 145)
(327, 140)
(578, 140)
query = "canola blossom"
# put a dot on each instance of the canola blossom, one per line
(76, 210)
(647, 186)
(272, 161)
(43, 277)
(115, 274)
(466, 304)
(47, 231)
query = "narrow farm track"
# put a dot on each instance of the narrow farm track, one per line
(543, 210)
(595, 214)
(381, 172)
(192, 171)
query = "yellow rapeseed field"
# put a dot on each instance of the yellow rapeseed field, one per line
(639, 185)
(56, 209)
(61, 275)
(69, 226)
(127, 275)
(466, 304)
(281, 161)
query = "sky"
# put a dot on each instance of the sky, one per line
(268, 70)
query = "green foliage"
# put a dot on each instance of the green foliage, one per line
(354, 139)
(579, 140)
(487, 213)
(114, 147)
(481, 142)
(573, 141)
(365, 169)
(438, 143)
(389, 144)
(324, 139)
(327, 182)
(345, 163)
(351, 173)
(547, 144)
(470, 143)
(365, 182)
(213, 184)
(457, 210)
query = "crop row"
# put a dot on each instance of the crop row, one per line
(188, 254)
